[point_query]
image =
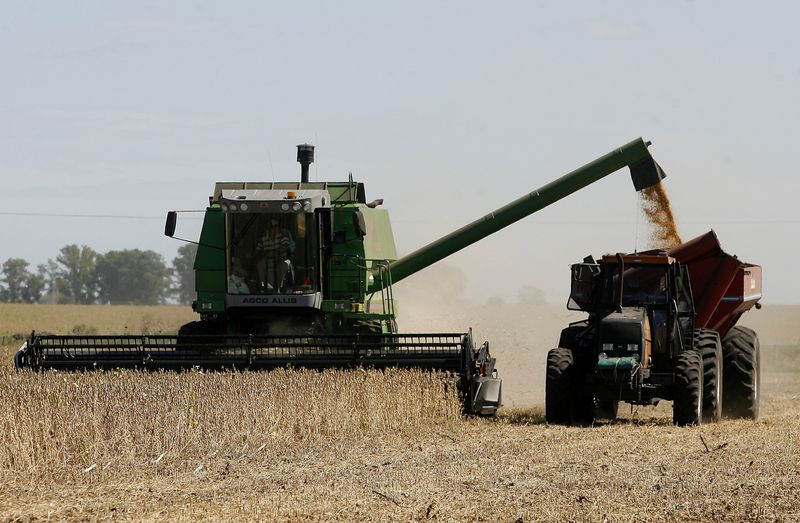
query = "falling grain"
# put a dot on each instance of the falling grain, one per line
(658, 211)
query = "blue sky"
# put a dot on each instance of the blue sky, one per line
(446, 110)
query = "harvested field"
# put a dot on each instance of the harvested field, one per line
(367, 445)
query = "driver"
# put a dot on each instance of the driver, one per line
(274, 249)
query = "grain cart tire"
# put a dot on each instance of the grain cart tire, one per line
(687, 406)
(707, 344)
(563, 403)
(742, 380)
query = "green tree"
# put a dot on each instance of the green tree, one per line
(35, 285)
(56, 289)
(21, 285)
(183, 273)
(78, 272)
(132, 277)
(15, 274)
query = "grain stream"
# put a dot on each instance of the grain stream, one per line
(658, 212)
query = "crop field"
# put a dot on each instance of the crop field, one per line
(367, 445)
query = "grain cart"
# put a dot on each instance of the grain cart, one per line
(661, 325)
(301, 274)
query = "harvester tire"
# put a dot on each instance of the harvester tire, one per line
(563, 402)
(742, 380)
(707, 343)
(687, 405)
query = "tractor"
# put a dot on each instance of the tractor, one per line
(661, 325)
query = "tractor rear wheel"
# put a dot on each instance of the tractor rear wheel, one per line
(564, 404)
(742, 362)
(707, 344)
(687, 405)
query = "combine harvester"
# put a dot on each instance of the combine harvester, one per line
(300, 274)
(661, 325)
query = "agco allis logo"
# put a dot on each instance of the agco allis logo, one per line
(274, 300)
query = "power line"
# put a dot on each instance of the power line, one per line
(76, 215)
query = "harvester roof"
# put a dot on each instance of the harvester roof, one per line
(273, 200)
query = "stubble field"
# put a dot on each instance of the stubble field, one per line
(296, 445)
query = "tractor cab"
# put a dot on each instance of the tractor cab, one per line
(642, 304)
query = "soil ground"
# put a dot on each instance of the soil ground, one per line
(512, 468)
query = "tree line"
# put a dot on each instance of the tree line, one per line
(81, 275)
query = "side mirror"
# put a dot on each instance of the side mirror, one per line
(169, 227)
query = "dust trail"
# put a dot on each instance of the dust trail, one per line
(658, 211)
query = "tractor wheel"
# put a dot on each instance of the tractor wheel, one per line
(742, 363)
(707, 344)
(563, 402)
(687, 407)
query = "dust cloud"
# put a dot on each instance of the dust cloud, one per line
(658, 211)
(520, 329)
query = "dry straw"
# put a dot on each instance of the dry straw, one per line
(57, 426)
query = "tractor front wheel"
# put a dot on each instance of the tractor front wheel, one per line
(564, 403)
(687, 406)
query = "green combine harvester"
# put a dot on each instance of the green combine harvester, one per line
(295, 274)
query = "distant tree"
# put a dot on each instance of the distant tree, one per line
(35, 285)
(20, 285)
(132, 277)
(15, 274)
(78, 272)
(183, 273)
(56, 289)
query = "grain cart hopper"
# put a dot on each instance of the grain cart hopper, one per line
(301, 274)
(661, 325)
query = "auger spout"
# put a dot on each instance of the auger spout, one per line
(645, 172)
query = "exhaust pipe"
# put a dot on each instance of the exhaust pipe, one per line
(305, 155)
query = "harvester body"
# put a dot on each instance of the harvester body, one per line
(301, 273)
(653, 318)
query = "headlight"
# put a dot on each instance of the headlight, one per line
(296, 206)
(243, 207)
(285, 206)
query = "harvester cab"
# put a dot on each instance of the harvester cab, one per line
(292, 258)
(646, 338)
